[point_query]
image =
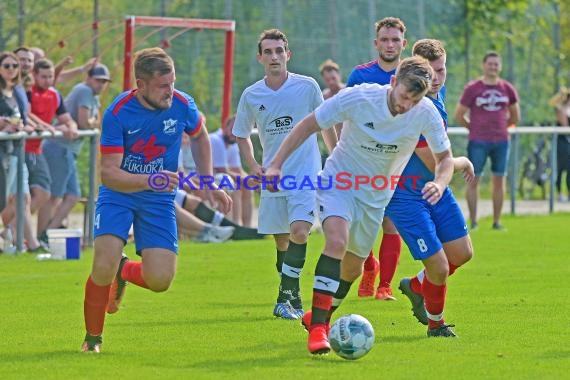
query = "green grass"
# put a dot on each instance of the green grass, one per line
(510, 304)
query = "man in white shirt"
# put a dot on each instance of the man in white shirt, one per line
(275, 104)
(382, 125)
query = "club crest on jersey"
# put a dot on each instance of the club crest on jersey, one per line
(169, 126)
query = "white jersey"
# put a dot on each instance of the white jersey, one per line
(373, 141)
(223, 157)
(275, 113)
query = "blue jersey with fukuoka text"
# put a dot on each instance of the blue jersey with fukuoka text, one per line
(369, 72)
(149, 140)
(416, 174)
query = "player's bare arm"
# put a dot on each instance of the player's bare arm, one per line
(202, 153)
(463, 165)
(330, 137)
(444, 166)
(461, 116)
(246, 150)
(117, 179)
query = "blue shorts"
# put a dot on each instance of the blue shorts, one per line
(424, 227)
(63, 170)
(154, 223)
(478, 151)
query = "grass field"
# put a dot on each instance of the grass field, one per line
(510, 305)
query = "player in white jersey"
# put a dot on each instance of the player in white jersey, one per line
(382, 125)
(275, 104)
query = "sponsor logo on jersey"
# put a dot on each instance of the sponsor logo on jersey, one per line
(283, 121)
(148, 149)
(376, 147)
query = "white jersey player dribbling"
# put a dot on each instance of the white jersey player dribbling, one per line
(373, 143)
(382, 125)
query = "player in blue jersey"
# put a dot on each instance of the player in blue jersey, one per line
(390, 43)
(140, 140)
(436, 234)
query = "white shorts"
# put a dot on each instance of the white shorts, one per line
(11, 181)
(277, 213)
(363, 221)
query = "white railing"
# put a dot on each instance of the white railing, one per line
(19, 139)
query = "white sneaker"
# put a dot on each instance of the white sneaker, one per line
(216, 234)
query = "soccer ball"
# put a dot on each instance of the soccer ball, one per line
(351, 336)
(225, 182)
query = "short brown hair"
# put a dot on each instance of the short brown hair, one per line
(152, 61)
(390, 22)
(24, 49)
(415, 73)
(272, 34)
(429, 48)
(329, 65)
(43, 64)
(490, 54)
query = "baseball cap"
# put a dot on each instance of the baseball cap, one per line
(99, 71)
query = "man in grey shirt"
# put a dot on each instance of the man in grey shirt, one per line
(61, 154)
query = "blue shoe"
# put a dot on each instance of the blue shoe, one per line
(285, 310)
(417, 301)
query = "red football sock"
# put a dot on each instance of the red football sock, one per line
(389, 255)
(370, 262)
(434, 298)
(321, 307)
(132, 272)
(416, 285)
(94, 306)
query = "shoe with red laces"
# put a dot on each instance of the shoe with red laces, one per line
(117, 290)
(92, 344)
(318, 343)
(366, 287)
(306, 321)
(384, 293)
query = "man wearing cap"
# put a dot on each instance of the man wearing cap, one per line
(83, 104)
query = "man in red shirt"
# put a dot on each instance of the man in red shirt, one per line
(46, 103)
(487, 107)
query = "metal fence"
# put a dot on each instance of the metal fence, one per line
(19, 139)
(514, 168)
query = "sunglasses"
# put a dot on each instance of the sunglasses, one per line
(8, 66)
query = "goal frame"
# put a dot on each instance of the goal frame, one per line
(131, 22)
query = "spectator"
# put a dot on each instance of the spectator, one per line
(83, 105)
(330, 72)
(47, 103)
(226, 159)
(488, 106)
(562, 103)
(12, 119)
